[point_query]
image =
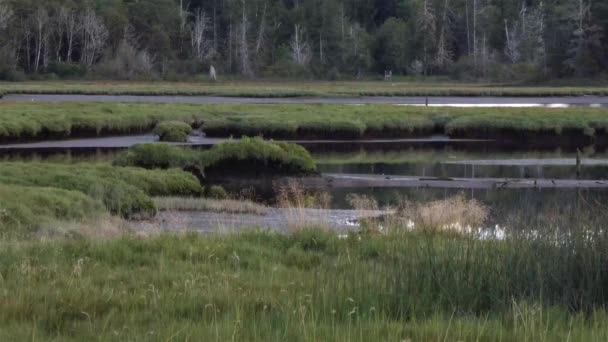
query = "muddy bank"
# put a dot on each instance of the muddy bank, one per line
(277, 219)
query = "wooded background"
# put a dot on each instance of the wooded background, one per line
(507, 40)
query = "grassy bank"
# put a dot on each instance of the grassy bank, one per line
(308, 286)
(293, 89)
(35, 121)
(123, 191)
(248, 157)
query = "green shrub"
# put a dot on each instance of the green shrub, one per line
(173, 131)
(217, 192)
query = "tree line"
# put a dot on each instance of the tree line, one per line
(489, 39)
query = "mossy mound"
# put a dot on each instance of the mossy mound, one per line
(245, 157)
(173, 131)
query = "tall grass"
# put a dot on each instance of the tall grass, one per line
(34, 121)
(307, 286)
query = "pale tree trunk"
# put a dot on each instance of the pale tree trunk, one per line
(243, 44)
(41, 19)
(475, 33)
(261, 32)
(94, 37)
(201, 46)
(5, 16)
(299, 46)
(70, 27)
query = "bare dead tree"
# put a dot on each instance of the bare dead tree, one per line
(94, 37)
(300, 51)
(40, 21)
(512, 42)
(6, 13)
(202, 46)
(444, 54)
(426, 25)
(261, 31)
(69, 28)
(244, 44)
(183, 15)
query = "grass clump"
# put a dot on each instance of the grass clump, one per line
(246, 157)
(209, 204)
(256, 157)
(308, 286)
(25, 208)
(124, 191)
(173, 131)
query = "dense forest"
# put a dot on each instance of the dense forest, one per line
(173, 39)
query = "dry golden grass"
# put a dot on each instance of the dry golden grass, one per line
(212, 205)
(455, 213)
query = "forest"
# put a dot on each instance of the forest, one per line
(499, 40)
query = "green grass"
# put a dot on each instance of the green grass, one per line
(308, 286)
(245, 157)
(35, 121)
(124, 191)
(23, 208)
(173, 131)
(290, 89)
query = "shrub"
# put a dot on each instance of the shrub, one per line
(68, 70)
(173, 131)
(217, 192)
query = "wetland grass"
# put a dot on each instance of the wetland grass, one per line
(306, 286)
(36, 121)
(295, 88)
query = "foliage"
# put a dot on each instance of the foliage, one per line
(216, 192)
(173, 131)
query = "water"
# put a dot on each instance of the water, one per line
(430, 159)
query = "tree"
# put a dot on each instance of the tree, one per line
(202, 46)
(94, 37)
(300, 50)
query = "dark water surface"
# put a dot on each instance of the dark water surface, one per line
(430, 159)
